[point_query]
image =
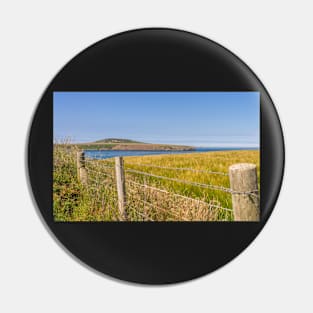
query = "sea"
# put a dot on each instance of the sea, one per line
(106, 154)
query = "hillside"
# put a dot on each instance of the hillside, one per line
(116, 140)
(127, 144)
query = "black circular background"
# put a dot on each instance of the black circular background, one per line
(155, 60)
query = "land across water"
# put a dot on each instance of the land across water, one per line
(105, 154)
(112, 147)
(135, 147)
(130, 145)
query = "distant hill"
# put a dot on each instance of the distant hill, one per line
(128, 144)
(116, 140)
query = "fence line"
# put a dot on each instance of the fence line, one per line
(242, 177)
(103, 166)
(120, 185)
(178, 195)
(96, 188)
(213, 187)
(160, 209)
(178, 169)
(97, 172)
(98, 182)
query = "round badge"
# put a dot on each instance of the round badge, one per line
(155, 156)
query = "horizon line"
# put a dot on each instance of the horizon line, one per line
(199, 145)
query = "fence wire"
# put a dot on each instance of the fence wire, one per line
(177, 168)
(101, 189)
(213, 187)
(143, 199)
(174, 206)
(178, 195)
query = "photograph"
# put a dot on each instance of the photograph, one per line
(156, 156)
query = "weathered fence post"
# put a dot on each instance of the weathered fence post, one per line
(120, 183)
(81, 167)
(245, 196)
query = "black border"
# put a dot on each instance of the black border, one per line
(155, 60)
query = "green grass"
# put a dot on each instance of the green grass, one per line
(71, 200)
(116, 140)
(98, 200)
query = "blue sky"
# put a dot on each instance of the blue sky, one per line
(202, 119)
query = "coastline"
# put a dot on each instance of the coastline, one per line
(135, 147)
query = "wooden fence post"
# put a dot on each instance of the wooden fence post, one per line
(81, 167)
(121, 190)
(245, 196)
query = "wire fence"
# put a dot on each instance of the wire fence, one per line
(178, 168)
(101, 188)
(133, 192)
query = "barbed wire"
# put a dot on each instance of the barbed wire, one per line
(98, 172)
(101, 165)
(100, 184)
(99, 168)
(104, 189)
(162, 209)
(181, 181)
(178, 168)
(180, 196)
(209, 186)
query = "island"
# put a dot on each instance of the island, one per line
(127, 144)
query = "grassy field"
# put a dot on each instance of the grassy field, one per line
(148, 198)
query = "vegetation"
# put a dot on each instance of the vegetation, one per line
(148, 197)
(126, 144)
(116, 140)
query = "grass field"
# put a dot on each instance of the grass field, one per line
(148, 198)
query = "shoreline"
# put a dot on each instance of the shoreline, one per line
(135, 147)
(104, 154)
(195, 149)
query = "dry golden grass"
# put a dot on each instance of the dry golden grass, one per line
(148, 198)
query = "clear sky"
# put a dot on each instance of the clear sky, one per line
(202, 119)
